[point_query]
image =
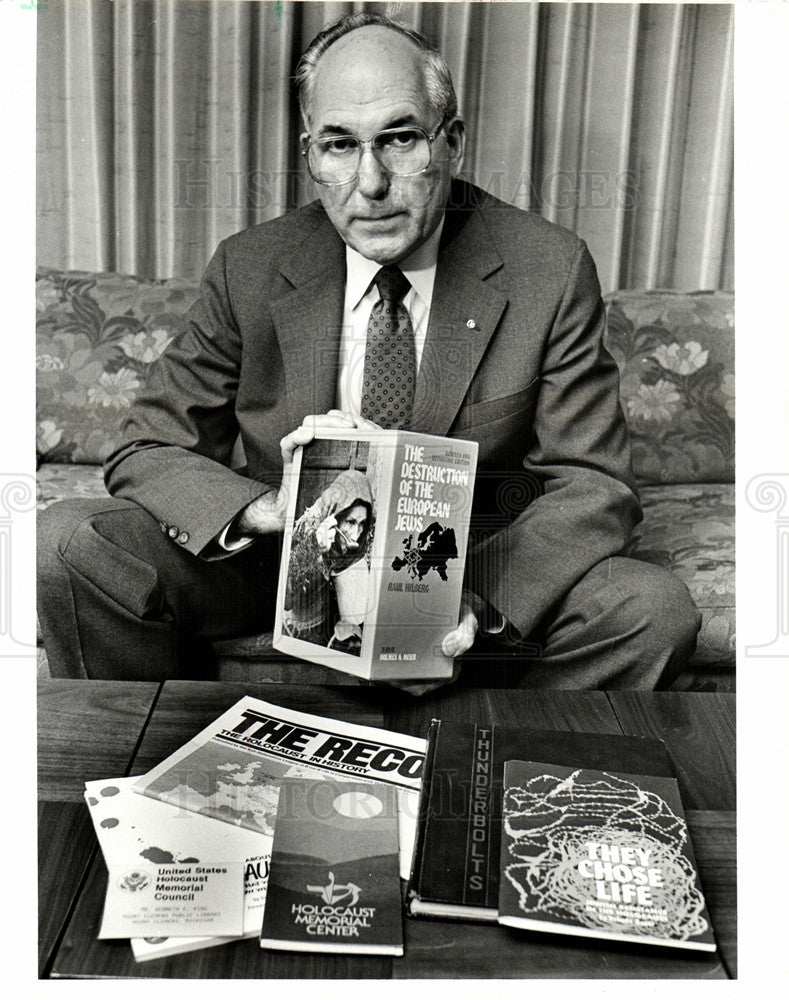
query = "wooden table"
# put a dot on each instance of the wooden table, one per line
(106, 729)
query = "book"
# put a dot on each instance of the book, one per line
(374, 552)
(334, 883)
(599, 854)
(233, 768)
(455, 868)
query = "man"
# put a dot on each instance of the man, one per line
(499, 316)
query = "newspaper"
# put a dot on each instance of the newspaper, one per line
(232, 769)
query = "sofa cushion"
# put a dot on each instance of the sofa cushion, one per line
(55, 481)
(98, 336)
(675, 352)
(690, 530)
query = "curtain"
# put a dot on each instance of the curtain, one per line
(166, 125)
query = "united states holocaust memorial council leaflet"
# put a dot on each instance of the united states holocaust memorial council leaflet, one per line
(135, 830)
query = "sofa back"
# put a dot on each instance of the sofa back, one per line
(675, 352)
(99, 335)
(97, 338)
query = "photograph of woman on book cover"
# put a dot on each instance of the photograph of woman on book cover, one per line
(328, 572)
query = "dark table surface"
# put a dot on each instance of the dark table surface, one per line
(106, 729)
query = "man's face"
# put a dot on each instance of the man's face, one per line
(372, 79)
(351, 526)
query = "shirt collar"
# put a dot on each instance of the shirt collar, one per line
(419, 267)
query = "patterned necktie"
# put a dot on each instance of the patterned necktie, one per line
(390, 356)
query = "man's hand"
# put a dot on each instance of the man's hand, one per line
(456, 643)
(266, 515)
(460, 640)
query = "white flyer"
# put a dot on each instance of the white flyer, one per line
(134, 830)
(176, 900)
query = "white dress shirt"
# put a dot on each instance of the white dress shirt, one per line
(360, 297)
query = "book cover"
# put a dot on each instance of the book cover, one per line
(374, 552)
(599, 854)
(233, 768)
(455, 868)
(334, 882)
(134, 830)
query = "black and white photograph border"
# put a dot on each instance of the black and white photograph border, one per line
(762, 214)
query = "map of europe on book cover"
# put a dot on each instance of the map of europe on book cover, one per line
(374, 552)
(599, 854)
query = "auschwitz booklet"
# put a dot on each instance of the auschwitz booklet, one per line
(599, 854)
(455, 871)
(232, 770)
(134, 830)
(335, 882)
(374, 552)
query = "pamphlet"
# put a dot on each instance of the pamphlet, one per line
(179, 901)
(134, 830)
(334, 882)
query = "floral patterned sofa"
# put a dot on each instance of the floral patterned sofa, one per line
(98, 336)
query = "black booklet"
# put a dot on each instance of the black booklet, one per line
(455, 868)
(334, 883)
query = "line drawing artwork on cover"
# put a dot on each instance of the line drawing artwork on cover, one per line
(597, 851)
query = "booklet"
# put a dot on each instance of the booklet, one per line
(232, 770)
(374, 552)
(255, 881)
(599, 854)
(136, 832)
(334, 882)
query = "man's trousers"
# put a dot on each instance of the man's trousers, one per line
(118, 599)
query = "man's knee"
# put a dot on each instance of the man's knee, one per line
(55, 528)
(657, 605)
(59, 525)
(96, 540)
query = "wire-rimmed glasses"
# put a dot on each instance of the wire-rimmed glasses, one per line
(402, 152)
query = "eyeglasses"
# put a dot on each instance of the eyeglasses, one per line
(335, 159)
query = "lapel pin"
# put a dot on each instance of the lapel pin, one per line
(471, 324)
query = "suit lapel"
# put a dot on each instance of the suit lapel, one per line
(308, 321)
(464, 314)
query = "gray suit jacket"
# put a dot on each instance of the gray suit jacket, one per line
(513, 359)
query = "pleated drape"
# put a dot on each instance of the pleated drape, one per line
(166, 125)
